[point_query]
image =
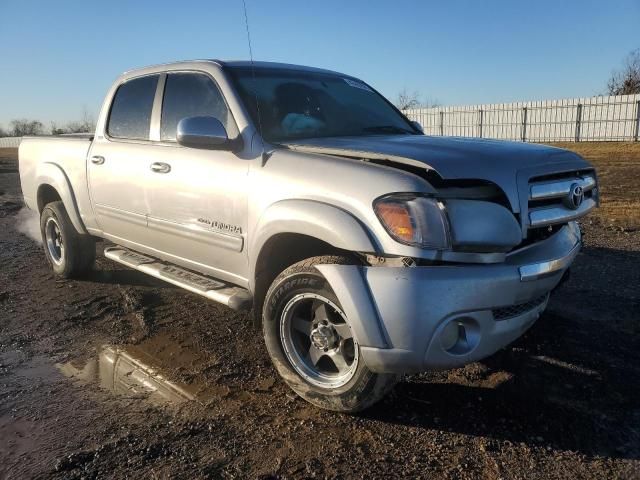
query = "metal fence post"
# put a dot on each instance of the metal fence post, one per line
(635, 136)
(578, 121)
(524, 124)
(441, 123)
(481, 114)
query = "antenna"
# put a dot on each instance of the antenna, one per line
(246, 24)
(253, 74)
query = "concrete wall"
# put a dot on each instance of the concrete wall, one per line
(10, 142)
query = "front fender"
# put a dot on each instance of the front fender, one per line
(51, 174)
(315, 219)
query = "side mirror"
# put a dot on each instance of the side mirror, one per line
(418, 126)
(202, 132)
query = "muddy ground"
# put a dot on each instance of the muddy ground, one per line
(562, 402)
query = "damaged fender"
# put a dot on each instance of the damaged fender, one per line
(349, 285)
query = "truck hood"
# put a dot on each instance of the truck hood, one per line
(503, 163)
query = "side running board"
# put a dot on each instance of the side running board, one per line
(234, 297)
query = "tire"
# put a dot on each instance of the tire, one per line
(69, 253)
(316, 373)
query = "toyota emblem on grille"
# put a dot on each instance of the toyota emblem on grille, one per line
(575, 197)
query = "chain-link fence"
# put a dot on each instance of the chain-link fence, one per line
(606, 118)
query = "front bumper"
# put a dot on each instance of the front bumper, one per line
(438, 317)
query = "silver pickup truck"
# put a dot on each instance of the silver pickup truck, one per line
(365, 248)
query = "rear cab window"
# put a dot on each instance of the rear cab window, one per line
(130, 115)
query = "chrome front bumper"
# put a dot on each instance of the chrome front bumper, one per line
(535, 271)
(422, 318)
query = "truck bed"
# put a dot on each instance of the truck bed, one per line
(60, 156)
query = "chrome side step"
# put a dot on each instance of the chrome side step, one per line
(234, 297)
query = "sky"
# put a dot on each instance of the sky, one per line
(58, 58)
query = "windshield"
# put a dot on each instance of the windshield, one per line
(296, 104)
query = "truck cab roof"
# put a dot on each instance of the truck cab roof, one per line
(233, 64)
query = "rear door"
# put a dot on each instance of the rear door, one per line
(198, 203)
(119, 163)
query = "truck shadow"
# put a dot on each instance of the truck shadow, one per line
(557, 388)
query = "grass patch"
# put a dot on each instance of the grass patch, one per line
(618, 166)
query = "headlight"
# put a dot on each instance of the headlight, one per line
(414, 220)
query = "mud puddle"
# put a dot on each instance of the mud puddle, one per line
(136, 371)
(133, 371)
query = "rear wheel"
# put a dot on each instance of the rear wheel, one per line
(69, 253)
(311, 342)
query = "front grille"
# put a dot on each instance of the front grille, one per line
(552, 199)
(511, 311)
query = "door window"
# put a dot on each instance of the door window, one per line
(191, 95)
(130, 115)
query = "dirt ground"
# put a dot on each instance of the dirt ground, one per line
(619, 170)
(119, 375)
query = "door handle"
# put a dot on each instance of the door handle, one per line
(97, 160)
(160, 167)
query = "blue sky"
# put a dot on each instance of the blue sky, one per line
(59, 57)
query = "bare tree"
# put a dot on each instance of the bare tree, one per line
(430, 103)
(22, 127)
(626, 81)
(55, 130)
(3, 133)
(86, 125)
(406, 100)
(76, 127)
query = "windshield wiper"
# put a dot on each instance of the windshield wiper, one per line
(388, 129)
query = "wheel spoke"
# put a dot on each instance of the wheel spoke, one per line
(320, 312)
(301, 325)
(343, 330)
(315, 355)
(338, 360)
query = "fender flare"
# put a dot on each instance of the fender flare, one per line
(351, 288)
(309, 217)
(51, 174)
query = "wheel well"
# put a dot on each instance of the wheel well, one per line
(278, 253)
(46, 194)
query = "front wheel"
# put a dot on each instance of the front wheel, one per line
(311, 342)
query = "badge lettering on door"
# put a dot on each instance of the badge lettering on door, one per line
(221, 226)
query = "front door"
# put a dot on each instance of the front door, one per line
(198, 198)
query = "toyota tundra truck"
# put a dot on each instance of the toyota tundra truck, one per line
(365, 248)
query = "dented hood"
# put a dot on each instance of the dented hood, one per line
(503, 163)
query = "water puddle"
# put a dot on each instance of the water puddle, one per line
(134, 371)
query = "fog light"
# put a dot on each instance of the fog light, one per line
(449, 335)
(460, 336)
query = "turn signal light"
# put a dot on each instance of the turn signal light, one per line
(397, 220)
(414, 219)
